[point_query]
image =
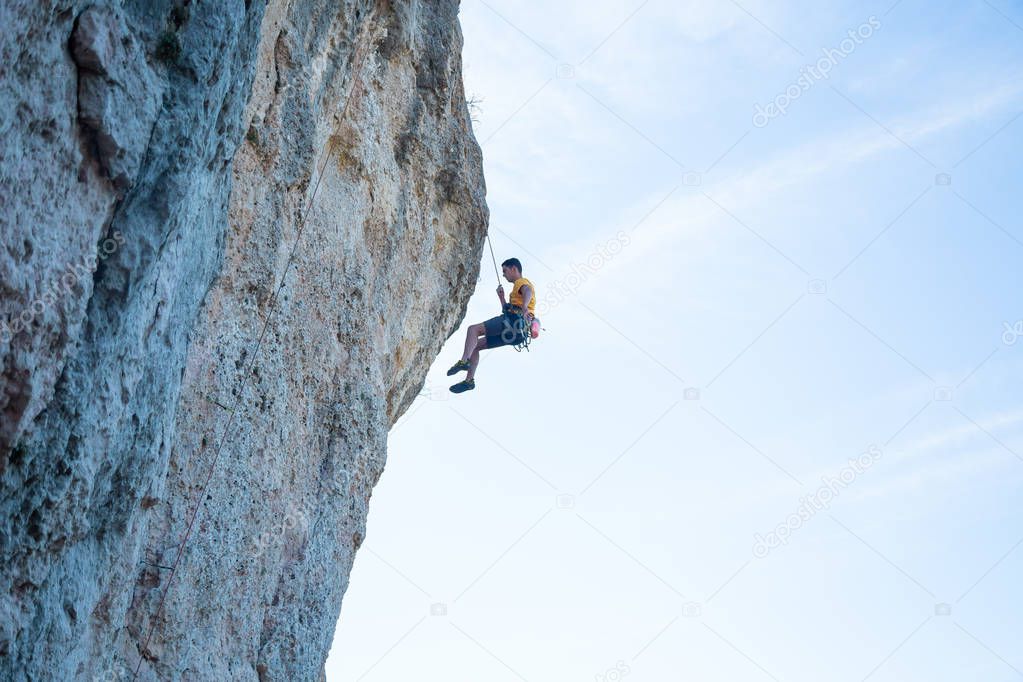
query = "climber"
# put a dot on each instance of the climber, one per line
(507, 329)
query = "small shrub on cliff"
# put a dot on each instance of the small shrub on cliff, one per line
(473, 103)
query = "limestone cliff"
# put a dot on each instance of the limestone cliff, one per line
(235, 235)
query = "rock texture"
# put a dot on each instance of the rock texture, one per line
(235, 236)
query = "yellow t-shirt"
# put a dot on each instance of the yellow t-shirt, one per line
(516, 294)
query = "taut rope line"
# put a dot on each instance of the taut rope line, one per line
(493, 258)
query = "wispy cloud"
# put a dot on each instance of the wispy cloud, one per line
(962, 433)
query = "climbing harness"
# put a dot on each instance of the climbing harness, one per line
(527, 336)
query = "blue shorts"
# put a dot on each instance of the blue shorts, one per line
(505, 330)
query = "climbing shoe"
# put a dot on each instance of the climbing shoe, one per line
(463, 386)
(460, 366)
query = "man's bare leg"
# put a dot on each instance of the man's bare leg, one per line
(472, 336)
(474, 359)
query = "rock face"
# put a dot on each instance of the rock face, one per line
(235, 235)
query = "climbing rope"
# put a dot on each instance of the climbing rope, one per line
(497, 273)
(357, 61)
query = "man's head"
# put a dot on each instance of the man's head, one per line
(511, 269)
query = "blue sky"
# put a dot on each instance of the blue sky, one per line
(734, 311)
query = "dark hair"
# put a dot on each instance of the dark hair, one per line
(512, 263)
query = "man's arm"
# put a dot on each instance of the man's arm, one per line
(527, 296)
(500, 295)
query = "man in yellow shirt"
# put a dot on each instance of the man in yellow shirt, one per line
(507, 329)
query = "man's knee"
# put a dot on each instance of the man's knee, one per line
(478, 329)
